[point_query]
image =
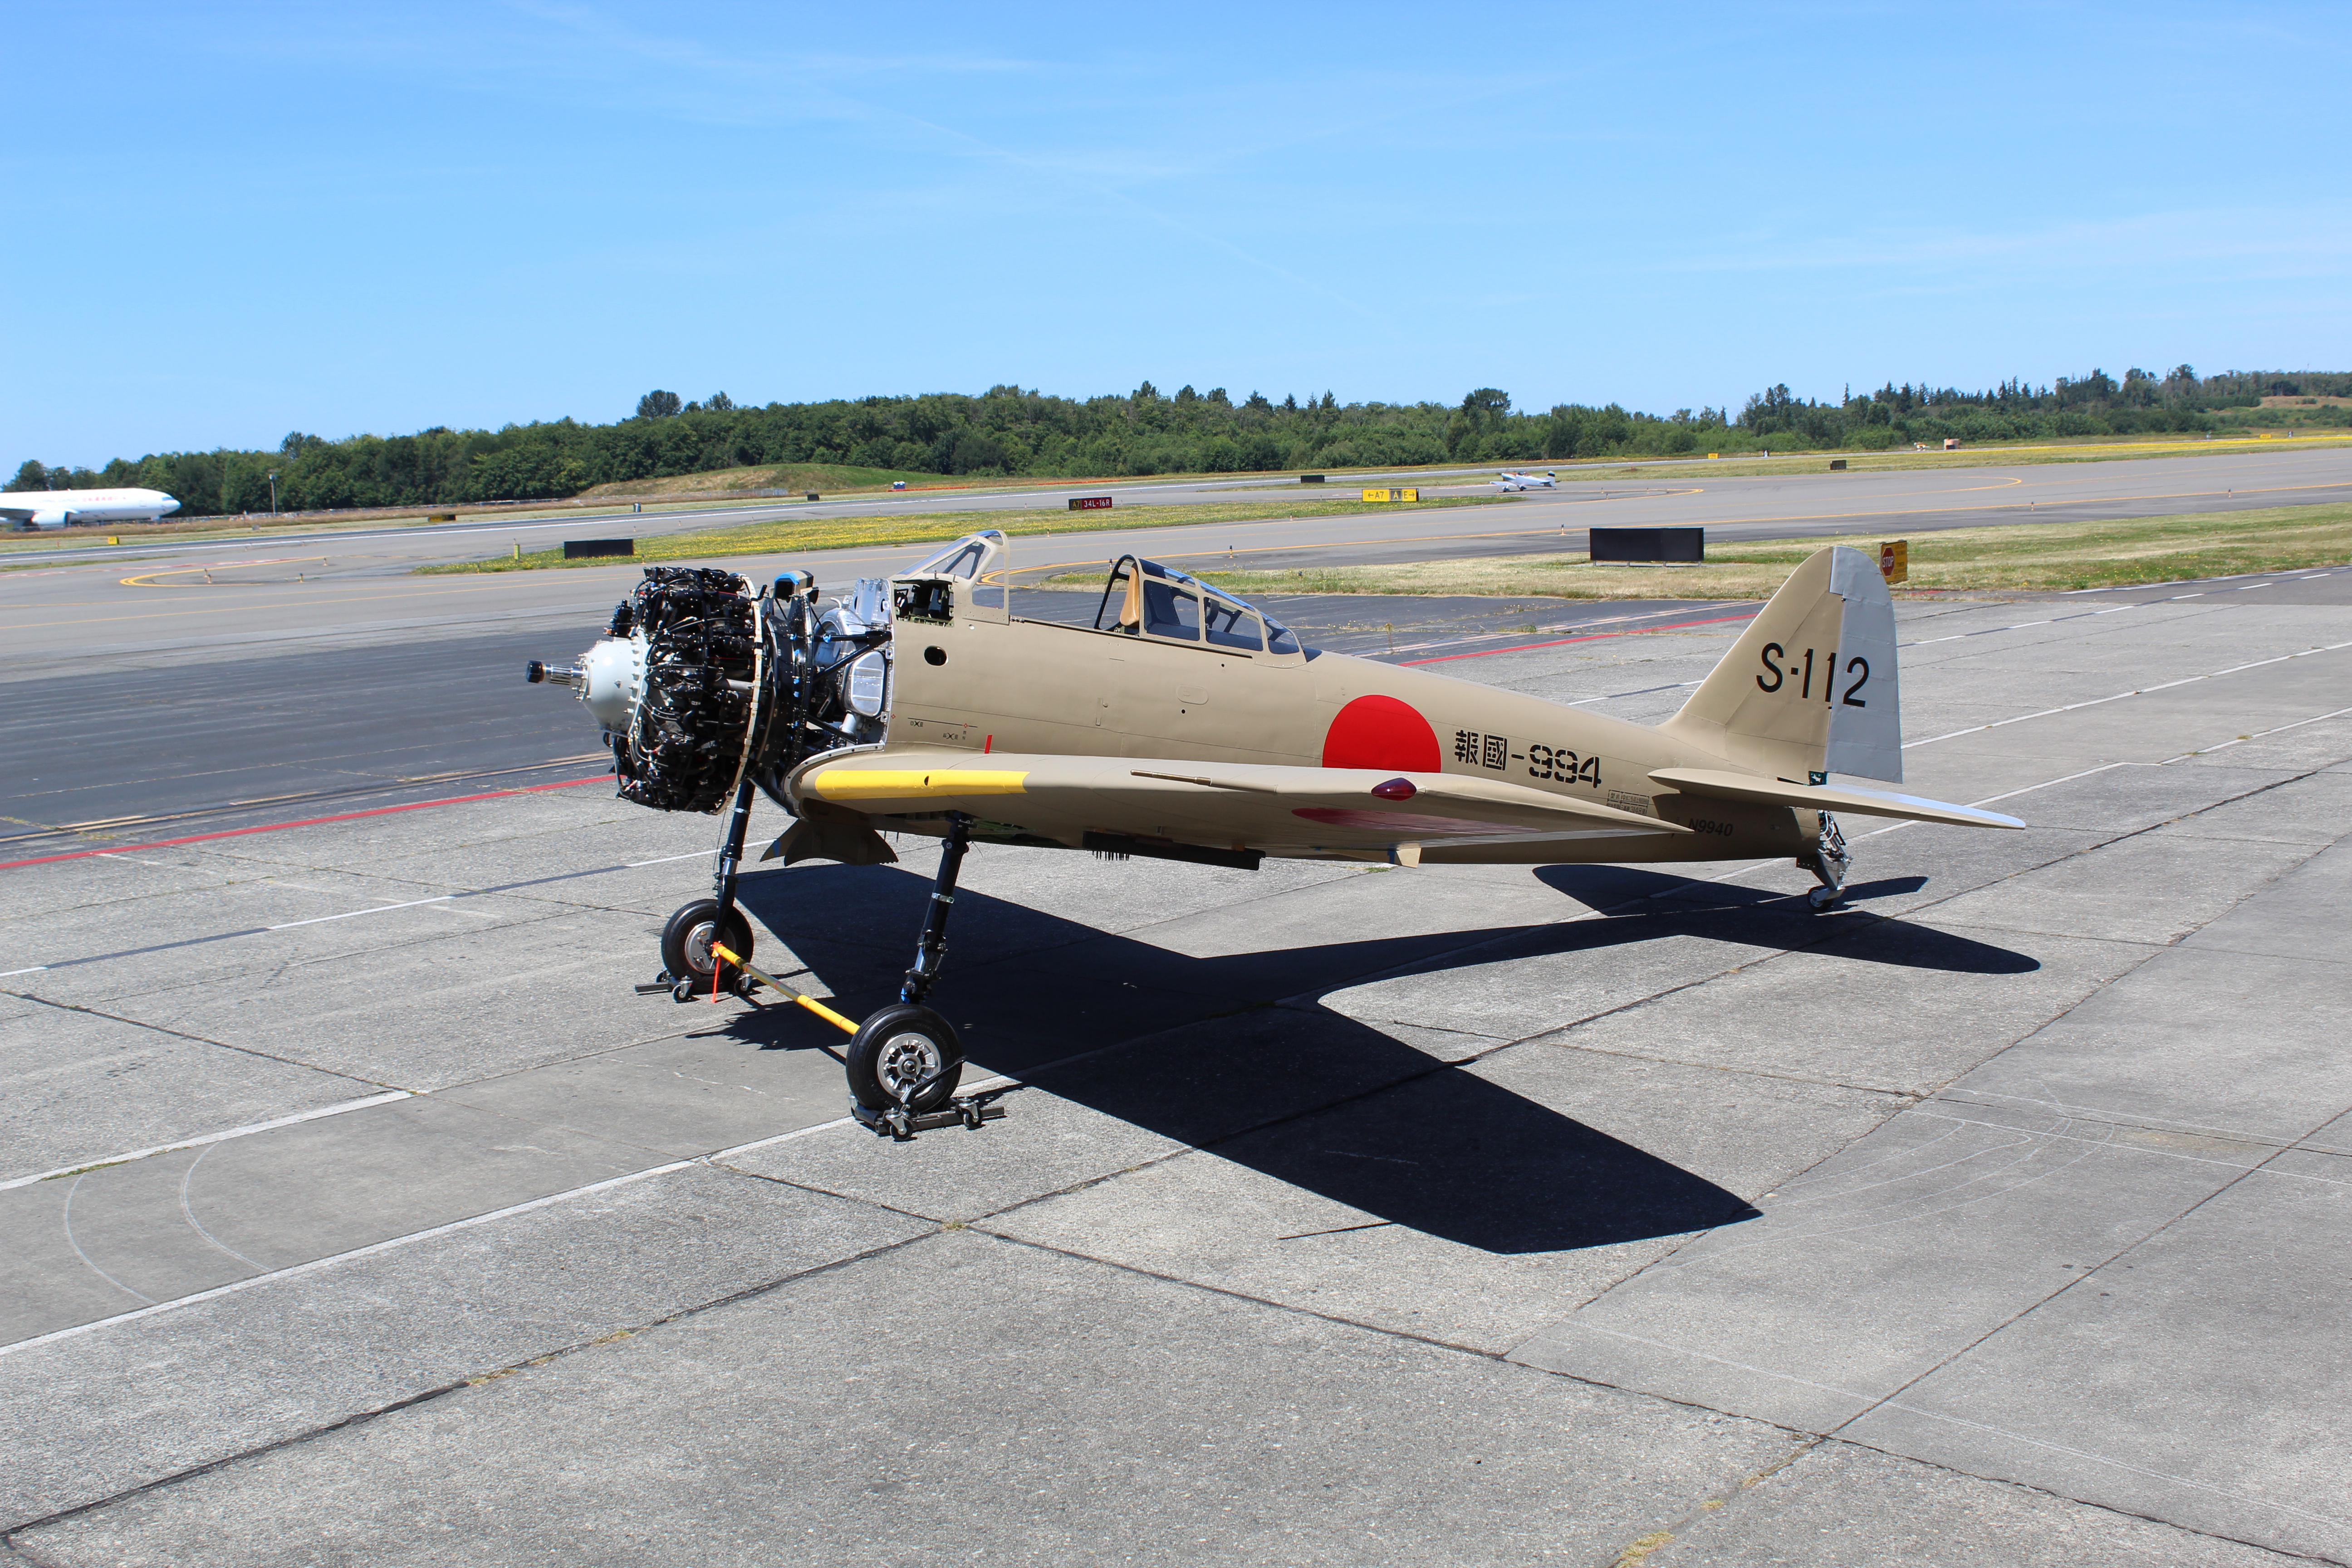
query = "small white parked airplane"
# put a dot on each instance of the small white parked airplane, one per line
(56, 508)
(1511, 481)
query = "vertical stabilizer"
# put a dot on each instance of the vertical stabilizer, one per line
(1811, 687)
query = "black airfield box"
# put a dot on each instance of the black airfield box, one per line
(1664, 546)
(576, 549)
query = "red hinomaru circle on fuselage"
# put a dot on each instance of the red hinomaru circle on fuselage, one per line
(1382, 732)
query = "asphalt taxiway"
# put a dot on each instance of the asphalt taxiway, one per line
(358, 1211)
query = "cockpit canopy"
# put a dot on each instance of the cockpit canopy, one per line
(1144, 598)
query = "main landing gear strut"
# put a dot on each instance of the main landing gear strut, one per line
(904, 1062)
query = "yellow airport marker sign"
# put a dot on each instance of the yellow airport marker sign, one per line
(1894, 559)
(1391, 494)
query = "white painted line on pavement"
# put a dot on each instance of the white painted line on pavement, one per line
(2257, 735)
(354, 914)
(317, 1263)
(2142, 691)
(981, 1087)
(666, 859)
(245, 1131)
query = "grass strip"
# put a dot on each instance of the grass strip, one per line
(786, 535)
(2046, 556)
(1750, 465)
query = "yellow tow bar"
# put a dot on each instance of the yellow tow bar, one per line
(811, 1002)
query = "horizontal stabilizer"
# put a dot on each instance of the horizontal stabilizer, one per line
(1817, 797)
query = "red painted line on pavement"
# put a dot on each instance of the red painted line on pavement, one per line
(306, 822)
(1563, 642)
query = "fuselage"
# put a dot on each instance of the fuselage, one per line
(56, 508)
(1005, 684)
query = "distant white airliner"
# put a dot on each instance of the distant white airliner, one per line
(55, 509)
(1511, 481)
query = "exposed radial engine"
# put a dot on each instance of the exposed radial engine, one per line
(703, 681)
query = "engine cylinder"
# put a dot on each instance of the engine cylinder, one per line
(684, 736)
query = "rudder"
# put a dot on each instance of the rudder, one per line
(1810, 687)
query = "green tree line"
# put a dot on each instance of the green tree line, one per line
(1007, 431)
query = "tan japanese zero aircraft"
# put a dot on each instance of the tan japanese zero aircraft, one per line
(1178, 723)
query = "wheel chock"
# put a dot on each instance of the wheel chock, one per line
(900, 1126)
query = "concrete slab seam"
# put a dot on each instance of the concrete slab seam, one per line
(2123, 836)
(1893, 1403)
(2140, 691)
(392, 1243)
(360, 1418)
(1798, 1180)
(1385, 1331)
(281, 826)
(1549, 1035)
(2027, 1140)
(245, 1131)
(2095, 1113)
(1925, 1108)
(1667, 1258)
(182, 1035)
(372, 784)
(1893, 1400)
(291, 1271)
(2125, 1465)
(2115, 1509)
(266, 930)
(2242, 739)
(1463, 1061)
(2086, 772)
(1709, 1507)
(2257, 952)
(1833, 935)
(985, 1085)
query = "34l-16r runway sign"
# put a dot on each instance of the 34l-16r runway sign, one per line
(1088, 503)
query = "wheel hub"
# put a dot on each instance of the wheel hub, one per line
(905, 1060)
(698, 947)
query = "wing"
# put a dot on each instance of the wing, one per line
(1219, 807)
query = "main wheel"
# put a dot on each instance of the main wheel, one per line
(896, 1049)
(686, 942)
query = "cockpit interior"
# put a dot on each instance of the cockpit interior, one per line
(1144, 598)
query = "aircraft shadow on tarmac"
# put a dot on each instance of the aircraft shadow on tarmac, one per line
(1192, 1048)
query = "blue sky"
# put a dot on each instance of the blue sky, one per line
(229, 221)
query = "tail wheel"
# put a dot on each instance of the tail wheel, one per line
(905, 1054)
(687, 940)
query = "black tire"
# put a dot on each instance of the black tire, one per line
(686, 940)
(901, 1040)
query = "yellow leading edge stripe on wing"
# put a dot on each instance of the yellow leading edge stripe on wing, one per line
(877, 783)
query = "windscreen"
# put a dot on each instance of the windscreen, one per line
(967, 557)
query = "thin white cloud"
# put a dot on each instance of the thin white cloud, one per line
(2317, 236)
